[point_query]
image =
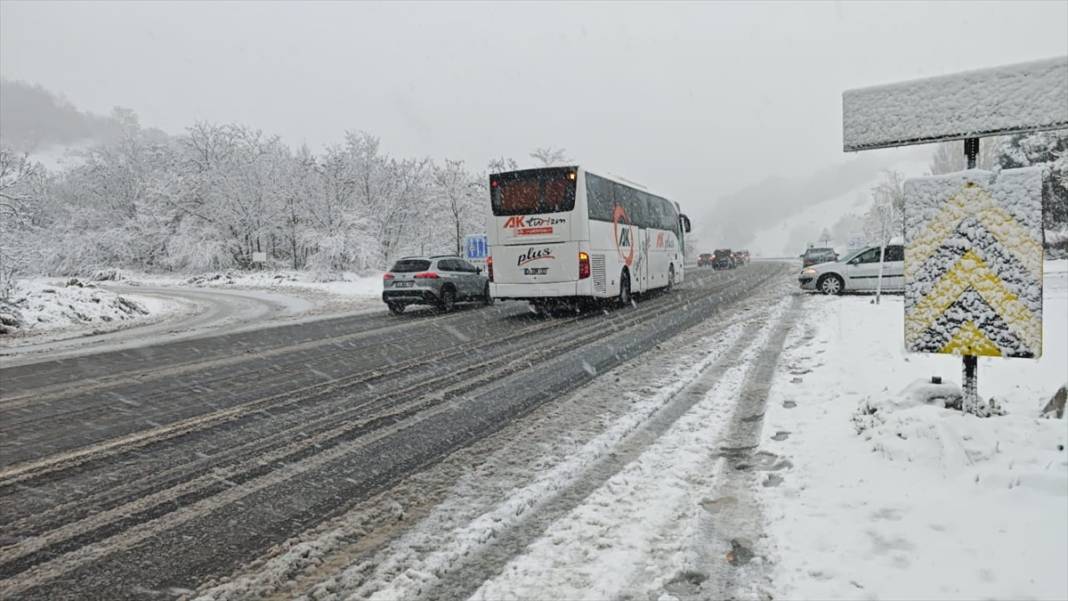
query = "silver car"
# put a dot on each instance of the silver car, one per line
(857, 272)
(440, 281)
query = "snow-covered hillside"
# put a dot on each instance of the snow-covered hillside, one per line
(788, 237)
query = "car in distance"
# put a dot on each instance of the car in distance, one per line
(440, 281)
(858, 272)
(814, 256)
(741, 257)
(704, 260)
(723, 259)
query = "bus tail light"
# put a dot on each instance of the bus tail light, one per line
(426, 275)
(584, 265)
(489, 268)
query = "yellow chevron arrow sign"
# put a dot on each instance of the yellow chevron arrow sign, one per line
(973, 263)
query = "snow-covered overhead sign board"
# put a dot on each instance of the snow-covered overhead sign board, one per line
(973, 263)
(1015, 98)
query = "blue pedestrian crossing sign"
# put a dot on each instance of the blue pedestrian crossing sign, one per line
(476, 247)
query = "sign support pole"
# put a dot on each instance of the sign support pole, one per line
(970, 385)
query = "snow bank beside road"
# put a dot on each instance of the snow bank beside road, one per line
(915, 501)
(307, 292)
(41, 306)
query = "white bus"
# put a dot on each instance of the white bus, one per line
(564, 235)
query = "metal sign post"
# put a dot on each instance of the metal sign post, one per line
(970, 378)
(973, 239)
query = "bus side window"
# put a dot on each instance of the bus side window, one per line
(656, 212)
(668, 219)
(599, 198)
(628, 197)
(650, 212)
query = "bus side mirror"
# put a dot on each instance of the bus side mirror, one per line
(684, 221)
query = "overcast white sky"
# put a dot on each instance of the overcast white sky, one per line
(696, 100)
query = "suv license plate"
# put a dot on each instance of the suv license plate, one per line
(403, 284)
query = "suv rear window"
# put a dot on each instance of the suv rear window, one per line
(410, 265)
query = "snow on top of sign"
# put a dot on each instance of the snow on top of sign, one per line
(1022, 97)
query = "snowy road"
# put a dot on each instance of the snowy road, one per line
(163, 471)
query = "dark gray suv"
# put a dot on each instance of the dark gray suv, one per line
(441, 281)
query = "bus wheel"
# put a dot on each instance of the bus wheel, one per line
(671, 279)
(624, 288)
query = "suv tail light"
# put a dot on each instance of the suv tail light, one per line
(489, 268)
(388, 276)
(584, 265)
(426, 275)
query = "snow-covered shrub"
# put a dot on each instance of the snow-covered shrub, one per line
(193, 248)
(919, 396)
(10, 317)
(921, 393)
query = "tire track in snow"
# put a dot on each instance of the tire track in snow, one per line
(131, 536)
(315, 558)
(318, 558)
(16, 473)
(496, 538)
(454, 382)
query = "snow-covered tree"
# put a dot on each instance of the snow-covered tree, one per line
(462, 196)
(21, 182)
(885, 218)
(550, 157)
(502, 165)
(1050, 150)
(213, 196)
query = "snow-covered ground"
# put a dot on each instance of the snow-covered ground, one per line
(119, 309)
(915, 501)
(53, 307)
(312, 294)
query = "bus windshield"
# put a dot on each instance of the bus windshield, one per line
(533, 191)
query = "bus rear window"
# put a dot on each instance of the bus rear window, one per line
(533, 191)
